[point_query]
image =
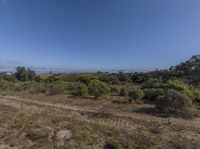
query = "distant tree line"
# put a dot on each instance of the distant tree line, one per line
(188, 71)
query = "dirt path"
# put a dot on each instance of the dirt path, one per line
(121, 120)
(77, 113)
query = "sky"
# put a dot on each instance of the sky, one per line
(99, 34)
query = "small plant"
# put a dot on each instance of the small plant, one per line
(16, 124)
(113, 144)
(83, 134)
(110, 129)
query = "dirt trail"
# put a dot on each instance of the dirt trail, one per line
(48, 104)
(27, 105)
(126, 120)
(19, 105)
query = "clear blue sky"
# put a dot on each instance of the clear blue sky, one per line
(109, 34)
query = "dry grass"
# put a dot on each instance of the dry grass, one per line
(23, 122)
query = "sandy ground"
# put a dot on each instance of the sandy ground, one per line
(30, 123)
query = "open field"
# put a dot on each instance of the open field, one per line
(152, 110)
(39, 121)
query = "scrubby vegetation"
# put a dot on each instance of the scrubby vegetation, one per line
(79, 89)
(98, 88)
(132, 93)
(153, 93)
(150, 86)
(113, 110)
(173, 102)
(113, 144)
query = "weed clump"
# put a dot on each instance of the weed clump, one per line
(113, 144)
(83, 134)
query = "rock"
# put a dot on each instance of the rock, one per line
(2, 132)
(62, 137)
(36, 134)
(3, 146)
(64, 134)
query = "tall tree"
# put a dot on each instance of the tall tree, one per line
(24, 74)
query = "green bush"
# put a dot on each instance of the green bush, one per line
(114, 144)
(196, 94)
(37, 88)
(132, 93)
(7, 77)
(190, 91)
(98, 88)
(84, 80)
(181, 87)
(109, 78)
(124, 77)
(55, 88)
(51, 79)
(153, 83)
(114, 89)
(29, 85)
(124, 91)
(6, 85)
(176, 85)
(173, 102)
(135, 93)
(79, 89)
(155, 88)
(153, 93)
